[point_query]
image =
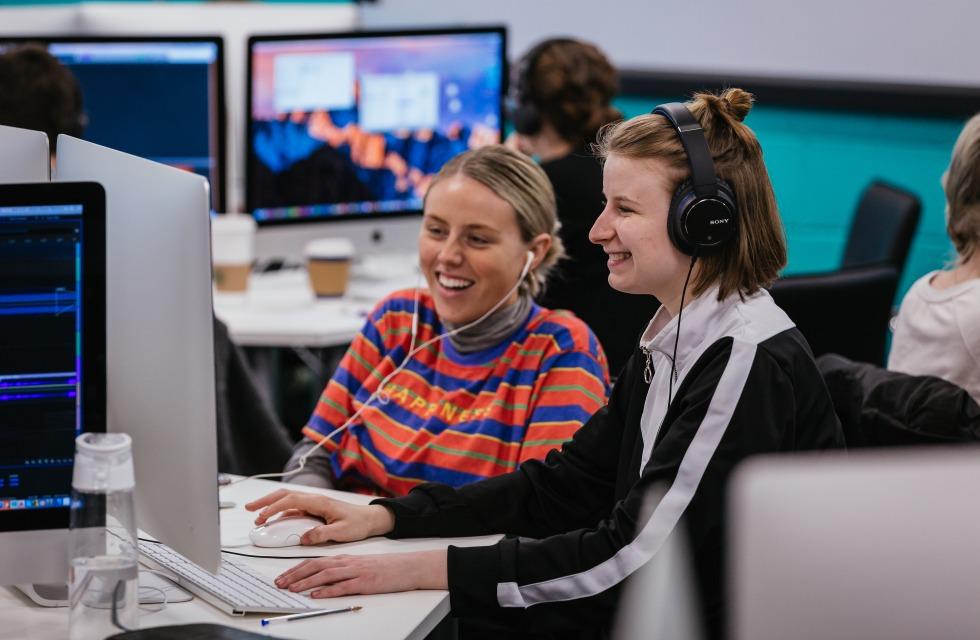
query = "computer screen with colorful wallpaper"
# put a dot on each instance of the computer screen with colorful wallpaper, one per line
(356, 125)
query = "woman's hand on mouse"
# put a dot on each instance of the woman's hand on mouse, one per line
(344, 522)
(333, 576)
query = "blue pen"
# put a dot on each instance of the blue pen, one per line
(308, 614)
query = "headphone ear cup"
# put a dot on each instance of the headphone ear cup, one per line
(526, 119)
(727, 194)
(690, 214)
(683, 196)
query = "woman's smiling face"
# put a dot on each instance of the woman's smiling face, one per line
(632, 228)
(470, 248)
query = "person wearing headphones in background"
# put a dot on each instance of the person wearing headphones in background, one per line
(561, 95)
(690, 218)
(512, 381)
(937, 331)
(38, 92)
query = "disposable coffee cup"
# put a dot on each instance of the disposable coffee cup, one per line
(328, 261)
(232, 251)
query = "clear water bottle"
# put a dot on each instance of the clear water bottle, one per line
(103, 552)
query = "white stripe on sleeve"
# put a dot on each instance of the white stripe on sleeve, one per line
(665, 516)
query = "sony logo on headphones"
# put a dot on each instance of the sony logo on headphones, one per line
(719, 221)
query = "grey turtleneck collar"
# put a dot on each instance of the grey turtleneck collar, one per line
(489, 333)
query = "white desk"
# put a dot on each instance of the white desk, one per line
(280, 310)
(393, 616)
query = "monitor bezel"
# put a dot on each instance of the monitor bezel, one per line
(219, 198)
(91, 196)
(250, 167)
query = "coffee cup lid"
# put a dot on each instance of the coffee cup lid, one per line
(330, 248)
(233, 223)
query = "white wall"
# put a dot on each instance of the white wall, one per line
(888, 40)
(234, 21)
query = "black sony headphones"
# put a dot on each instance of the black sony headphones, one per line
(703, 214)
(520, 107)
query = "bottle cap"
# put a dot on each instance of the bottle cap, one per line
(103, 462)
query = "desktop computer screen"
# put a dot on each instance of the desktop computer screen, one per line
(157, 98)
(355, 125)
(52, 349)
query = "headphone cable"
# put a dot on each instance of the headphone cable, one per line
(677, 335)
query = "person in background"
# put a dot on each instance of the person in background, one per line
(562, 92)
(478, 403)
(737, 379)
(937, 331)
(38, 92)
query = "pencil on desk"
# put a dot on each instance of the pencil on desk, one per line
(308, 614)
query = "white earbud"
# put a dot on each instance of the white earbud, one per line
(527, 264)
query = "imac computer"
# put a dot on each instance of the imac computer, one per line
(160, 98)
(25, 156)
(160, 349)
(52, 367)
(878, 544)
(346, 130)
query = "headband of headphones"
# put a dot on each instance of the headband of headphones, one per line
(703, 176)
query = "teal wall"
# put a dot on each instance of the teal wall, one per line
(820, 161)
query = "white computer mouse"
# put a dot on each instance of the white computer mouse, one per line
(284, 531)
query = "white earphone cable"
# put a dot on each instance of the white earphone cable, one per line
(379, 393)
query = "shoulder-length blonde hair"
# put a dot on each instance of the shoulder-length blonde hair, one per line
(521, 183)
(961, 182)
(754, 257)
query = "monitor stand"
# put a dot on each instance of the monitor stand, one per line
(46, 595)
(154, 589)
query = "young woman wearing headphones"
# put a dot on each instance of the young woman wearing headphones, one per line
(469, 378)
(690, 218)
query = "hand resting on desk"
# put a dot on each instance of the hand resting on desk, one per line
(345, 522)
(380, 573)
(344, 574)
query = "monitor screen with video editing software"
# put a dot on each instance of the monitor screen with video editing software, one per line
(157, 98)
(356, 125)
(51, 269)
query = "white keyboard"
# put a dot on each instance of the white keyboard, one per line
(236, 589)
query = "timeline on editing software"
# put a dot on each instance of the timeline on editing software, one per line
(40, 359)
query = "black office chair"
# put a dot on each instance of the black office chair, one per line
(847, 311)
(883, 227)
(844, 312)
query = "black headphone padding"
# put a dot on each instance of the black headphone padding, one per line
(703, 213)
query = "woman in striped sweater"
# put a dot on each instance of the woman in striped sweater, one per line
(512, 386)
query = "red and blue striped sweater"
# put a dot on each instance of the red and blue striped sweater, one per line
(451, 417)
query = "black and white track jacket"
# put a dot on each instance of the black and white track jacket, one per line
(746, 383)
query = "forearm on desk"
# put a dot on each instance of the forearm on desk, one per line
(316, 471)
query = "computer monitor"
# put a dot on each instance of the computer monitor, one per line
(52, 365)
(160, 350)
(25, 156)
(353, 126)
(160, 98)
(862, 545)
